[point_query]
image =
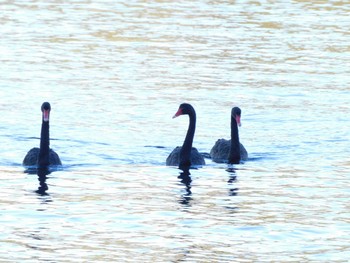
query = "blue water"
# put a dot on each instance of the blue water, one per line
(116, 73)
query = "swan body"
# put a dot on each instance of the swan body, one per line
(32, 157)
(43, 156)
(230, 151)
(186, 155)
(220, 151)
(174, 157)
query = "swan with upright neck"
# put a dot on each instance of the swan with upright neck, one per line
(43, 156)
(230, 151)
(186, 155)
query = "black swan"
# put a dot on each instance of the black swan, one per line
(43, 156)
(231, 151)
(186, 155)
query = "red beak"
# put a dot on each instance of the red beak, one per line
(238, 120)
(178, 113)
(46, 115)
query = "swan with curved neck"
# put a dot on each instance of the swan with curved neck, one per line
(230, 151)
(186, 155)
(43, 156)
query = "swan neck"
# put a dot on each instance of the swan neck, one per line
(185, 155)
(234, 155)
(44, 145)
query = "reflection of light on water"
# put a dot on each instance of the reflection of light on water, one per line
(114, 73)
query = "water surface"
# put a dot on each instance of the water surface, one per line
(115, 74)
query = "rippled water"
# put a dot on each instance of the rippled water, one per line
(115, 74)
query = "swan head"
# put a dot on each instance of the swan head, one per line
(184, 108)
(236, 113)
(46, 108)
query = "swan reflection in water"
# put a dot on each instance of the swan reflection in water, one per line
(185, 179)
(233, 191)
(42, 176)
